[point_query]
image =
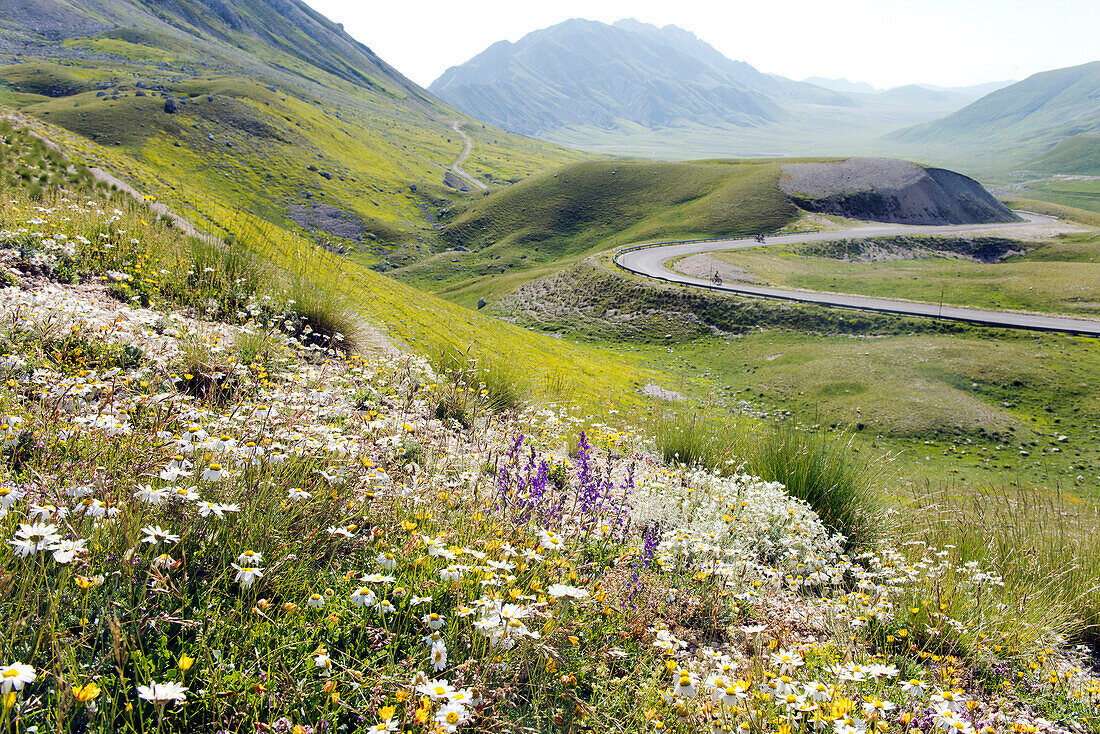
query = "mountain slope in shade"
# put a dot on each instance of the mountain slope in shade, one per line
(272, 31)
(1019, 121)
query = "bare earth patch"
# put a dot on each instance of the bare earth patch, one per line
(661, 393)
(704, 266)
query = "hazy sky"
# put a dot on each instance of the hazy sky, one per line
(883, 42)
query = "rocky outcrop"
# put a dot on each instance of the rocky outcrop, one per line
(888, 190)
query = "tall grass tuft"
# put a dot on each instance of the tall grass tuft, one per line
(325, 313)
(827, 474)
(824, 472)
(490, 383)
(697, 440)
(504, 386)
(1044, 546)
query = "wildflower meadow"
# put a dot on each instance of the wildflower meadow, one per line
(219, 516)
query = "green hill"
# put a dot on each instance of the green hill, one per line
(1014, 124)
(1079, 155)
(591, 206)
(254, 105)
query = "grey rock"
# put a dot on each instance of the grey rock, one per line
(890, 190)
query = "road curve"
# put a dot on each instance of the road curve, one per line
(457, 167)
(651, 261)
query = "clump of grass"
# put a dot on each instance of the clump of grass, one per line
(205, 373)
(504, 387)
(1043, 546)
(824, 472)
(226, 275)
(321, 313)
(497, 386)
(827, 474)
(256, 348)
(696, 440)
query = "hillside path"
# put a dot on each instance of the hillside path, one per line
(652, 262)
(457, 167)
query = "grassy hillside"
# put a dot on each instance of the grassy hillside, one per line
(1078, 155)
(1013, 125)
(213, 521)
(951, 403)
(262, 107)
(273, 265)
(595, 205)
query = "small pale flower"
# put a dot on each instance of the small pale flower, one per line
(363, 596)
(250, 557)
(559, 591)
(155, 534)
(160, 693)
(247, 575)
(214, 473)
(13, 677)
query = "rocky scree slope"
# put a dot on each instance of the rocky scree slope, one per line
(887, 190)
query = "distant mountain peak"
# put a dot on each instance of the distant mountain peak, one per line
(841, 85)
(588, 73)
(633, 24)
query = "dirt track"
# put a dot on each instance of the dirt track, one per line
(457, 167)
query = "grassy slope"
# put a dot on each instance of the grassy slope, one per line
(1079, 155)
(590, 206)
(1062, 276)
(1010, 126)
(958, 408)
(595, 375)
(292, 127)
(966, 390)
(597, 372)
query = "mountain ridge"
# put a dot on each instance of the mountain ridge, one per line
(582, 72)
(1022, 120)
(631, 88)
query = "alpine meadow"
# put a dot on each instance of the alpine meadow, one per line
(606, 383)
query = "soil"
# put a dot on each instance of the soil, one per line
(889, 190)
(328, 219)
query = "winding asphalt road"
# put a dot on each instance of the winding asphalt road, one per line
(651, 261)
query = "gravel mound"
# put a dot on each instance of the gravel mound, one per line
(889, 190)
